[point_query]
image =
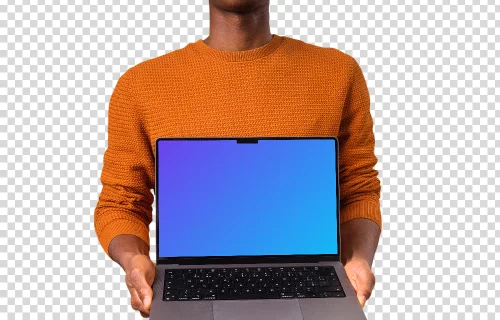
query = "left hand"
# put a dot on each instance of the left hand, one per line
(362, 278)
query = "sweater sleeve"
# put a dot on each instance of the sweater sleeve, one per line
(359, 183)
(125, 202)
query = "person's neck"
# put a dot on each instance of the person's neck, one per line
(238, 31)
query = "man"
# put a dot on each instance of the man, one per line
(239, 81)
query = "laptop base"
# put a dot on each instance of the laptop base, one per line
(304, 308)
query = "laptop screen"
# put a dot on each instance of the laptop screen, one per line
(223, 198)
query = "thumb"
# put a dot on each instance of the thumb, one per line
(365, 284)
(144, 291)
(362, 300)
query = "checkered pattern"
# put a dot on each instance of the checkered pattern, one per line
(432, 75)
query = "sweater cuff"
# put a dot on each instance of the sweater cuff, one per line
(122, 226)
(364, 208)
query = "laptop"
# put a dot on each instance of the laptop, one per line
(248, 228)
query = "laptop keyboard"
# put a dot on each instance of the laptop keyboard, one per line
(251, 283)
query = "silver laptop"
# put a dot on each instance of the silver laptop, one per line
(248, 229)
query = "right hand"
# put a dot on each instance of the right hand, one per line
(140, 274)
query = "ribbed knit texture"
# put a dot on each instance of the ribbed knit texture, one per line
(286, 87)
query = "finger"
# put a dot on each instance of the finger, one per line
(144, 291)
(144, 314)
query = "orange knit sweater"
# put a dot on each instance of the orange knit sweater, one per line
(286, 87)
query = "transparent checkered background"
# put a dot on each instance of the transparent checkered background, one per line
(432, 72)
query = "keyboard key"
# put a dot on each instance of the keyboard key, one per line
(174, 271)
(260, 290)
(270, 295)
(173, 286)
(325, 294)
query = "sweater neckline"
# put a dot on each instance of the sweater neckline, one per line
(245, 55)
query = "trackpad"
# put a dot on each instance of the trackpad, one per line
(270, 309)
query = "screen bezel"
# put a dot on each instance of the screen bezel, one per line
(199, 260)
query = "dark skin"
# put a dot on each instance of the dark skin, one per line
(359, 241)
(238, 25)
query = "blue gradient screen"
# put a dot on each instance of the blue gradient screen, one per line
(223, 198)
